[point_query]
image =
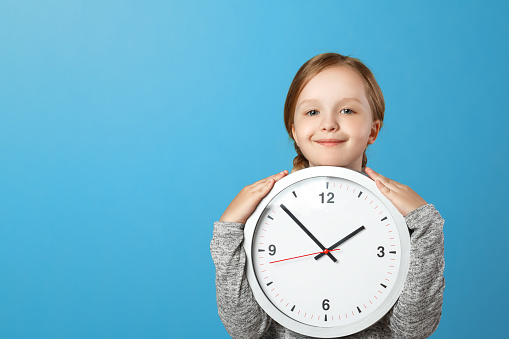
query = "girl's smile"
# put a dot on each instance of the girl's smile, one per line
(333, 121)
(329, 142)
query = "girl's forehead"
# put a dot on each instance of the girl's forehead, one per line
(334, 83)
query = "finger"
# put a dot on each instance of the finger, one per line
(374, 175)
(276, 177)
(393, 185)
(280, 175)
(269, 183)
(266, 187)
(377, 176)
(384, 189)
(262, 191)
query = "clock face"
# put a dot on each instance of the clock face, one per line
(334, 210)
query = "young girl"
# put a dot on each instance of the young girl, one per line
(334, 109)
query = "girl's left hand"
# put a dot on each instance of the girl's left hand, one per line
(403, 197)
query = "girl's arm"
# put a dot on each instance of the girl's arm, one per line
(417, 312)
(237, 307)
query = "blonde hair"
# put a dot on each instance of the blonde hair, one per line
(309, 70)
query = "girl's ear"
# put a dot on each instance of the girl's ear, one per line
(375, 128)
(293, 135)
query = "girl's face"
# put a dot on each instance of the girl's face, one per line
(333, 122)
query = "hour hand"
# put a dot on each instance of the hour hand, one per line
(341, 241)
(308, 233)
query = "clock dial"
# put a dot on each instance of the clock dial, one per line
(326, 252)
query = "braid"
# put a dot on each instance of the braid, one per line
(299, 162)
(364, 159)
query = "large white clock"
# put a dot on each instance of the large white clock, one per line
(327, 253)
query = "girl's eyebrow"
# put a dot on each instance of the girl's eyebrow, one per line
(317, 101)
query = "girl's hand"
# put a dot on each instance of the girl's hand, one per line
(403, 197)
(246, 201)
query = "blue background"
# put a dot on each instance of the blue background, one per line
(127, 127)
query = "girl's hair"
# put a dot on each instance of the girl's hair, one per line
(309, 70)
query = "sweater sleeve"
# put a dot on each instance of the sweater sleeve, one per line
(237, 307)
(417, 312)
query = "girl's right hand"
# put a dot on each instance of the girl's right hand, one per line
(246, 201)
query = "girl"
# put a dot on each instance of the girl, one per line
(334, 109)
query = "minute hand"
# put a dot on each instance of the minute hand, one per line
(342, 241)
(307, 231)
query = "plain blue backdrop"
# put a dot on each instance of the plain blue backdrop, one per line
(126, 128)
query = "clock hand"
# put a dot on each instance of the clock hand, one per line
(305, 255)
(307, 231)
(341, 241)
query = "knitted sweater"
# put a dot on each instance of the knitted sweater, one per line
(416, 314)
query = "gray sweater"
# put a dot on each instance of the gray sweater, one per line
(416, 314)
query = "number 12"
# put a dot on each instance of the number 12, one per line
(330, 195)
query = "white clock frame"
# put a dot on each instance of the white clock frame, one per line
(384, 306)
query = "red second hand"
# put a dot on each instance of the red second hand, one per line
(305, 255)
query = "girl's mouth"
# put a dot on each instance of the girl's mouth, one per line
(329, 142)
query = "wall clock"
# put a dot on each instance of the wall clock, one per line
(327, 253)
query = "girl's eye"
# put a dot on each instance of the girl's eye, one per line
(313, 113)
(346, 111)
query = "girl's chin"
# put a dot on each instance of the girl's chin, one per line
(355, 167)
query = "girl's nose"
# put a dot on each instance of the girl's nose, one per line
(329, 123)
